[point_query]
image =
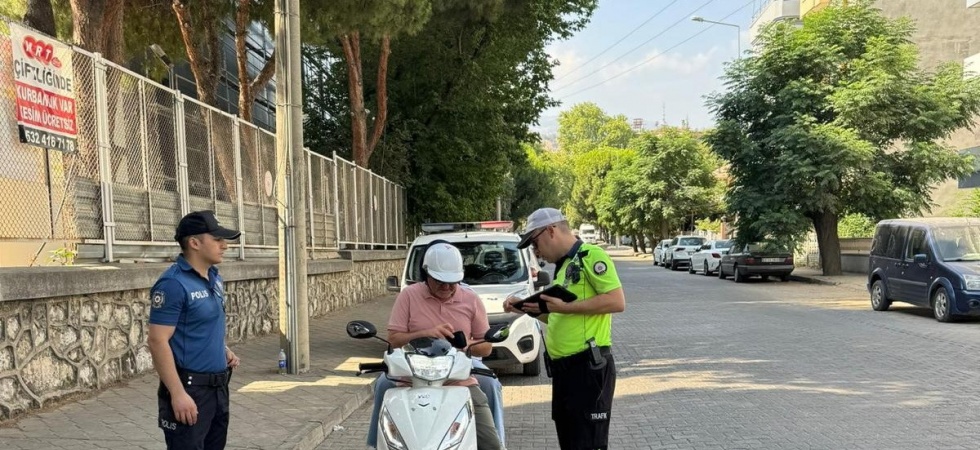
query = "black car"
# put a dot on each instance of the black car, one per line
(756, 260)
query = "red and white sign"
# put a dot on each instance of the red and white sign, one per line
(45, 90)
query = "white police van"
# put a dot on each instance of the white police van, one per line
(494, 268)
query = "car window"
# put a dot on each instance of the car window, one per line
(960, 243)
(917, 243)
(691, 241)
(673, 241)
(723, 244)
(483, 263)
(881, 240)
(895, 241)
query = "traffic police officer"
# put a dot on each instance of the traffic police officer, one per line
(578, 340)
(187, 338)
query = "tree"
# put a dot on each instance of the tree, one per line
(350, 21)
(40, 16)
(618, 205)
(835, 118)
(590, 170)
(535, 184)
(462, 93)
(679, 182)
(585, 127)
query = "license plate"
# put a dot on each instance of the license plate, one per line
(772, 260)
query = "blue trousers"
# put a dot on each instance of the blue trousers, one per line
(490, 386)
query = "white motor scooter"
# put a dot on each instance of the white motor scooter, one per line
(426, 415)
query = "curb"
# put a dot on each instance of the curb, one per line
(316, 431)
(812, 280)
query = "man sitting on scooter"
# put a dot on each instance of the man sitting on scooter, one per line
(437, 308)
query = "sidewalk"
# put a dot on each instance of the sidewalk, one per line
(268, 410)
(849, 280)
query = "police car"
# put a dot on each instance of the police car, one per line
(495, 269)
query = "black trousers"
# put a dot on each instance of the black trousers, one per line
(210, 432)
(581, 400)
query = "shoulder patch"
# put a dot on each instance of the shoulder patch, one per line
(599, 268)
(158, 299)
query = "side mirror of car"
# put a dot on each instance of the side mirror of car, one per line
(544, 279)
(361, 329)
(921, 259)
(391, 284)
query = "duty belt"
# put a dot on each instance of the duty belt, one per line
(219, 379)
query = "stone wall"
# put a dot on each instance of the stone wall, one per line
(67, 331)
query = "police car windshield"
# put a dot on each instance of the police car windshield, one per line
(483, 263)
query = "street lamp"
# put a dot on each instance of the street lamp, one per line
(162, 55)
(738, 41)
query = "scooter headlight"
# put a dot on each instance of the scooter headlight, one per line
(430, 368)
(457, 430)
(391, 434)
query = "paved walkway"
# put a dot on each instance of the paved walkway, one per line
(857, 281)
(268, 410)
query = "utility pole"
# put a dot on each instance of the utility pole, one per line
(294, 316)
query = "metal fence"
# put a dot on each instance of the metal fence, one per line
(146, 155)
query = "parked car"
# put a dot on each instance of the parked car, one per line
(587, 233)
(927, 262)
(494, 268)
(680, 250)
(658, 252)
(756, 260)
(708, 258)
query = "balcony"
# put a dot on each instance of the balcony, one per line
(773, 11)
(809, 6)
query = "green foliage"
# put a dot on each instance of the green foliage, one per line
(585, 127)
(325, 19)
(713, 226)
(834, 118)
(535, 184)
(590, 170)
(856, 226)
(64, 255)
(968, 206)
(462, 94)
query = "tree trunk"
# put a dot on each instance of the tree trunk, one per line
(204, 68)
(382, 87)
(248, 87)
(643, 242)
(40, 16)
(355, 86)
(825, 224)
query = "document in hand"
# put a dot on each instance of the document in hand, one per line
(554, 291)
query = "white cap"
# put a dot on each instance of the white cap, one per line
(444, 263)
(540, 218)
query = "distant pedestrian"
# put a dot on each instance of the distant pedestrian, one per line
(187, 338)
(579, 337)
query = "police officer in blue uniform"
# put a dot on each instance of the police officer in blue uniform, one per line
(187, 338)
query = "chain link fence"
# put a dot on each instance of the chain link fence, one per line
(146, 155)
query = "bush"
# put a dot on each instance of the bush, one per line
(855, 226)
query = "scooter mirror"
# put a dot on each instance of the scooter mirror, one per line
(361, 329)
(497, 333)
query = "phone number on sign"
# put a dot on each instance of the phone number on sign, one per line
(46, 140)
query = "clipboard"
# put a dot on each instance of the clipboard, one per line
(553, 291)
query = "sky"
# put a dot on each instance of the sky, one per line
(667, 78)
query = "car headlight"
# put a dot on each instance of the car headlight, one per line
(457, 430)
(972, 282)
(390, 431)
(430, 368)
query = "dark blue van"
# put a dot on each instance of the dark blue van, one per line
(932, 262)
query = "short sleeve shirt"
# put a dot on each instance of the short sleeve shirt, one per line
(587, 271)
(417, 309)
(194, 306)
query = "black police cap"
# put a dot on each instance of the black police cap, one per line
(200, 222)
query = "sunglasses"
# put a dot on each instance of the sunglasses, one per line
(534, 239)
(443, 283)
